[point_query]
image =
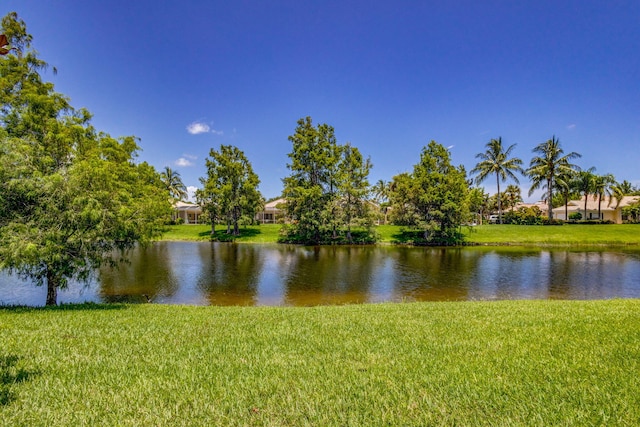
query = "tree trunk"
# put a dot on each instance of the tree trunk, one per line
(52, 289)
(585, 205)
(499, 202)
(550, 200)
(599, 210)
(236, 219)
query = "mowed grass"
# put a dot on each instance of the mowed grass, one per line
(566, 235)
(471, 363)
(265, 233)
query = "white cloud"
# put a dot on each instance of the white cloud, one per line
(196, 128)
(183, 162)
(190, 156)
(572, 126)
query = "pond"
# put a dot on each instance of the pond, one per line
(283, 275)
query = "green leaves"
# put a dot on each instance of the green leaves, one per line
(434, 197)
(230, 190)
(70, 195)
(327, 187)
(550, 164)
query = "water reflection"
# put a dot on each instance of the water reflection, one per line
(229, 274)
(232, 274)
(329, 275)
(147, 272)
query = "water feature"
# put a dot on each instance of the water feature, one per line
(241, 274)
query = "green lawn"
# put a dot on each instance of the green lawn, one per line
(266, 233)
(471, 363)
(570, 235)
(566, 235)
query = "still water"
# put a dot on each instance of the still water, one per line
(282, 275)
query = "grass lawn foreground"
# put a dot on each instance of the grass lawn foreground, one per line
(481, 363)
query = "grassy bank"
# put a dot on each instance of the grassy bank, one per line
(567, 235)
(487, 363)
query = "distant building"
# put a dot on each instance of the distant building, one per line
(189, 213)
(272, 213)
(610, 210)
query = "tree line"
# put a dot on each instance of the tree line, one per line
(551, 170)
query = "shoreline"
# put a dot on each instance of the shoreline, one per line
(576, 236)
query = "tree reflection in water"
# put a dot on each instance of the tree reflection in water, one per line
(230, 273)
(242, 274)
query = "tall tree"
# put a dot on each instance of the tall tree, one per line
(497, 161)
(401, 195)
(230, 189)
(584, 183)
(564, 187)
(353, 186)
(70, 196)
(603, 187)
(173, 184)
(310, 189)
(440, 193)
(478, 203)
(545, 168)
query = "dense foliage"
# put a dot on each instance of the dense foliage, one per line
(327, 189)
(230, 190)
(548, 167)
(434, 198)
(495, 160)
(69, 194)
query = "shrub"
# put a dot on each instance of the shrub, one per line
(524, 216)
(552, 221)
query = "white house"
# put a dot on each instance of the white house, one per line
(610, 209)
(188, 212)
(272, 212)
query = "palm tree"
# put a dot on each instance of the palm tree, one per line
(584, 184)
(512, 195)
(619, 190)
(548, 166)
(496, 160)
(565, 186)
(173, 183)
(603, 187)
(626, 188)
(381, 190)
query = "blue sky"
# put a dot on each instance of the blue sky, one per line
(187, 76)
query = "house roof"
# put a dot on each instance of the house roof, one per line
(185, 206)
(540, 205)
(273, 205)
(607, 203)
